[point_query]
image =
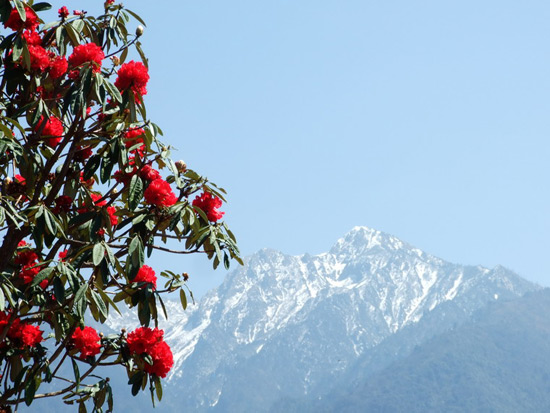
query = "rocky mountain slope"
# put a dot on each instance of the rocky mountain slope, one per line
(284, 327)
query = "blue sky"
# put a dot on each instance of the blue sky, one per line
(428, 120)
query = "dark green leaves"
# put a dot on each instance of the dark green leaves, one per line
(135, 192)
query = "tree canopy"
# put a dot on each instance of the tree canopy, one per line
(88, 192)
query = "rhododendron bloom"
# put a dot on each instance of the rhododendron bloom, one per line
(87, 53)
(40, 59)
(58, 67)
(27, 335)
(209, 205)
(52, 129)
(111, 210)
(32, 38)
(134, 137)
(14, 22)
(21, 334)
(87, 341)
(148, 173)
(163, 360)
(26, 256)
(28, 272)
(146, 275)
(63, 12)
(63, 203)
(134, 76)
(147, 341)
(63, 255)
(159, 193)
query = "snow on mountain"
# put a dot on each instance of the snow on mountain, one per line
(282, 326)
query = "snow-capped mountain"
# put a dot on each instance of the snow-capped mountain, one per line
(290, 326)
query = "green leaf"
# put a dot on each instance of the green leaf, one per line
(98, 253)
(113, 91)
(20, 9)
(158, 387)
(135, 192)
(17, 49)
(73, 35)
(91, 166)
(59, 290)
(2, 300)
(100, 304)
(30, 390)
(80, 293)
(139, 19)
(41, 7)
(183, 299)
(42, 275)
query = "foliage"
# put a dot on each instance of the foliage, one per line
(84, 203)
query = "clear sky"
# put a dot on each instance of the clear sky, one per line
(428, 120)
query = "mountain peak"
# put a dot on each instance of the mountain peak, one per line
(363, 240)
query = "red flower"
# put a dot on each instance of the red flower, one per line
(133, 75)
(148, 173)
(83, 154)
(63, 12)
(144, 340)
(163, 360)
(32, 38)
(159, 193)
(28, 272)
(40, 59)
(134, 137)
(58, 67)
(15, 23)
(63, 255)
(87, 53)
(146, 275)
(87, 341)
(25, 335)
(209, 205)
(27, 256)
(53, 129)
(62, 203)
(21, 334)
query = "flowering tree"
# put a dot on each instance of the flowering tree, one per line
(88, 193)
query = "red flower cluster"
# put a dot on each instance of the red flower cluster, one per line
(41, 59)
(134, 137)
(87, 53)
(53, 129)
(148, 173)
(62, 203)
(146, 275)
(63, 12)
(15, 23)
(21, 334)
(58, 67)
(151, 342)
(133, 75)
(111, 210)
(87, 341)
(159, 193)
(28, 260)
(63, 255)
(32, 38)
(209, 205)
